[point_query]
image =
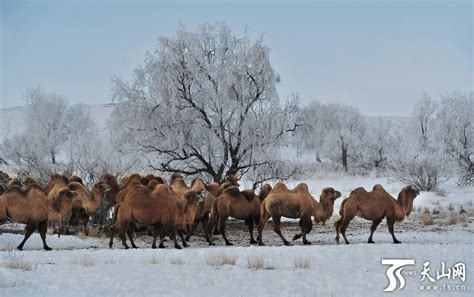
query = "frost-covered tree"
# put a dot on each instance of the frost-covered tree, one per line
(204, 102)
(377, 146)
(420, 160)
(333, 131)
(455, 121)
(59, 138)
(344, 129)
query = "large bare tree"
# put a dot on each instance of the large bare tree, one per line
(205, 102)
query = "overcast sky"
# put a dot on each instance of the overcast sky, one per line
(379, 56)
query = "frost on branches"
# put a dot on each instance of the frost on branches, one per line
(205, 102)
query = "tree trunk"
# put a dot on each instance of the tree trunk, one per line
(344, 157)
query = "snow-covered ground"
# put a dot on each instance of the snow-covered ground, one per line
(333, 270)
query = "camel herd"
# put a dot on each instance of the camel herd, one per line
(175, 209)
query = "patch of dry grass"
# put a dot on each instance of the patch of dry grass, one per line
(176, 261)
(427, 219)
(81, 235)
(221, 259)
(451, 219)
(154, 260)
(85, 261)
(302, 263)
(256, 263)
(14, 261)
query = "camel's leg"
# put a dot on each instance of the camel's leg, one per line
(216, 227)
(205, 221)
(42, 229)
(173, 237)
(263, 220)
(303, 223)
(29, 229)
(374, 226)
(222, 230)
(337, 224)
(249, 223)
(156, 233)
(112, 231)
(277, 229)
(181, 235)
(121, 233)
(191, 232)
(345, 222)
(390, 229)
(307, 227)
(130, 230)
(212, 224)
(162, 239)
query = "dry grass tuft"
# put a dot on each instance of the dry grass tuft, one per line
(85, 261)
(14, 261)
(256, 263)
(154, 260)
(427, 219)
(452, 219)
(220, 260)
(81, 235)
(176, 261)
(302, 263)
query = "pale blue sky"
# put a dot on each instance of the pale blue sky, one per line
(377, 55)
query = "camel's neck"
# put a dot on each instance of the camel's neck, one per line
(404, 206)
(96, 201)
(323, 209)
(190, 212)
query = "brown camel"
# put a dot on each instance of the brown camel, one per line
(375, 206)
(160, 209)
(111, 181)
(241, 205)
(204, 210)
(296, 203)
(87, 203)
(31, 207)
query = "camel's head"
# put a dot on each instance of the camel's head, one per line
(202, 195)
(233, 180)
(264, 191)
(101, 188)
(330, 194)
(109, 179)
(176, 175)
(406, 197)
(193, 197)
